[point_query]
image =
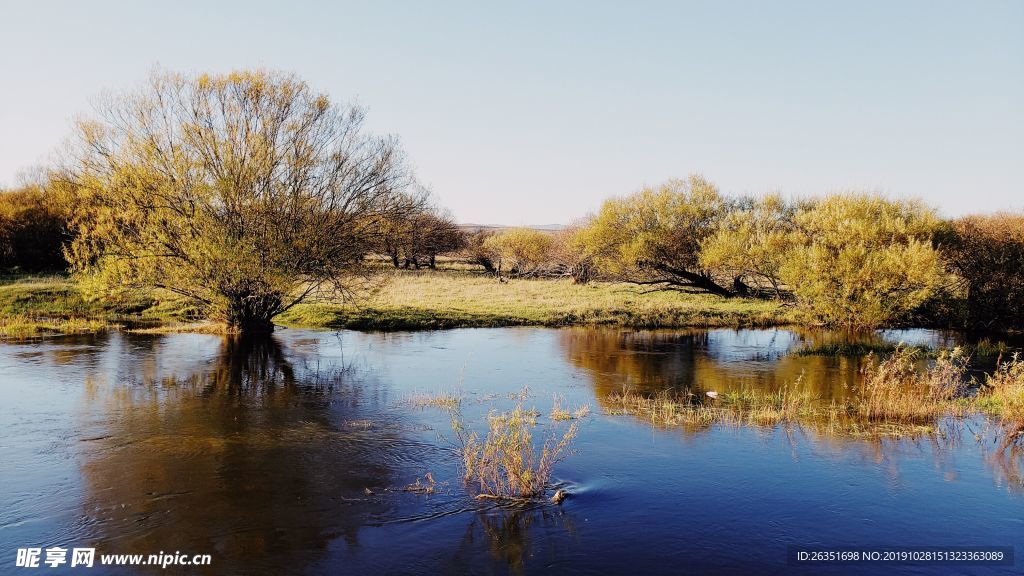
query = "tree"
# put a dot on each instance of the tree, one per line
(33, 228)
(569, 256)
(654, 236)
(441, 235)
(246, 192)
(520, 251)
(752, 242)
(862, 261)
(477, 251)
(987, 253)
(415, 240)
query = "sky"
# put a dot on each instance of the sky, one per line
(534, 112)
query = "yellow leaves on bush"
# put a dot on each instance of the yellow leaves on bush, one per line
(520, 251)
(862, 261)
(661, 225)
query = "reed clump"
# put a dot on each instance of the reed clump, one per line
(505, 464)
(559, 413)
(897, 390)
(445, 400)
(738, 407)
(1002, 394)
(896, 396)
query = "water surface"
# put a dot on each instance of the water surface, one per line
(289, 456)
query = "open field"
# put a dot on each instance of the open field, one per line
(438, 299)
(402, 300)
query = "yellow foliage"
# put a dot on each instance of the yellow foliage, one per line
(753, 243)
(245, 192)
(521, 251)
(655, 234)
(862, 261)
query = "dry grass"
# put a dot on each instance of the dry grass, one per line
(559, 413)
(445, 400)
(1003, 395)
(896, 397)
(897, 390)
(505, 464)
(410, 299)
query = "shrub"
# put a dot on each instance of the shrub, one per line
(862, 261)
(987, 253)
(521, 251)
(655, 235)
(33, 228)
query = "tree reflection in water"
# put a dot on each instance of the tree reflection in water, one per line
(249, 458)
(650, 362)
(513, 535)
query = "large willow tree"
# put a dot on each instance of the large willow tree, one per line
(246, 192)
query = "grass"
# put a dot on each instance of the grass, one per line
(896, 397)
(1002, 396)
(39, 305)
(984, 347)
(404, 300)
(847, 349)
(742, 407)
(444, 400)
(21, 327)
(428, 299)
(560, 414)
(505, 464)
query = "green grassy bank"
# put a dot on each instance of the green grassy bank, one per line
(402, 300)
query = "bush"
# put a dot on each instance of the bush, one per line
(33, 227)
(505, 464)
(655, 235)
(520, 251)
(861, 261)
(987, 253)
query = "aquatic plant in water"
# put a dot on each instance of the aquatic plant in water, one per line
(505, 464)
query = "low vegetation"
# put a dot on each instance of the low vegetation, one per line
(446, 400)
(39, 305)
(427, 299)
(897, 395)
(560, 413)
(22, 327)
(1003, 396)
(505, 464)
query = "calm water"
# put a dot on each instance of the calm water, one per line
(288, 456)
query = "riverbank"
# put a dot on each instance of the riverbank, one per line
(402, 300)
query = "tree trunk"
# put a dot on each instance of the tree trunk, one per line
(487, 263)
(701, 280)
(250, 313)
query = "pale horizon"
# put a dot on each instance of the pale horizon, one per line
(534, 114)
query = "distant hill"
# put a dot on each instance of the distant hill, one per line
(495, 227)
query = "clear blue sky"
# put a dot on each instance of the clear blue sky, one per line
(533, 112)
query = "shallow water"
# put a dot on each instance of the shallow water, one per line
(290, 455)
